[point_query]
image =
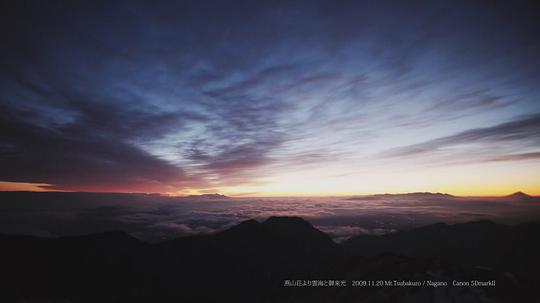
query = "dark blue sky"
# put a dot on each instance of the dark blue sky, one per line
(307, 97)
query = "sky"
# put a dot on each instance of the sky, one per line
(270, 98)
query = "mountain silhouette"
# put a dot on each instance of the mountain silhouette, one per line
(417, 195)
(519, 197)
(475, 244)
(251, 261)
(209, 196)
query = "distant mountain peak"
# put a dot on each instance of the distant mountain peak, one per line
(209, 196)
(518, 196)
(430, 194)
(421, 195)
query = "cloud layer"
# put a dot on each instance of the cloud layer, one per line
(157, 218)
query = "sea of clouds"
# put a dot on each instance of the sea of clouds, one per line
(155, 218)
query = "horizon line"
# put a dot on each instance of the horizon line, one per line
(271, 196)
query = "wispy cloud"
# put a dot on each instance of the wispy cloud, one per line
(522, 133)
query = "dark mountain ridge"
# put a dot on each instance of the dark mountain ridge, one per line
(250, 262)
(474, 244)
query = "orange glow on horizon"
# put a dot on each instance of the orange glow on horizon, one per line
(530, 189)
(22, 186)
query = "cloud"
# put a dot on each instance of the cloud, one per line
(157, 218)
(79, 156)
(176, 96)
(341, 233)
(523, 132)
(515, 157)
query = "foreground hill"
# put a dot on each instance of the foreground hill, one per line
(474, 244)
(251, 262)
